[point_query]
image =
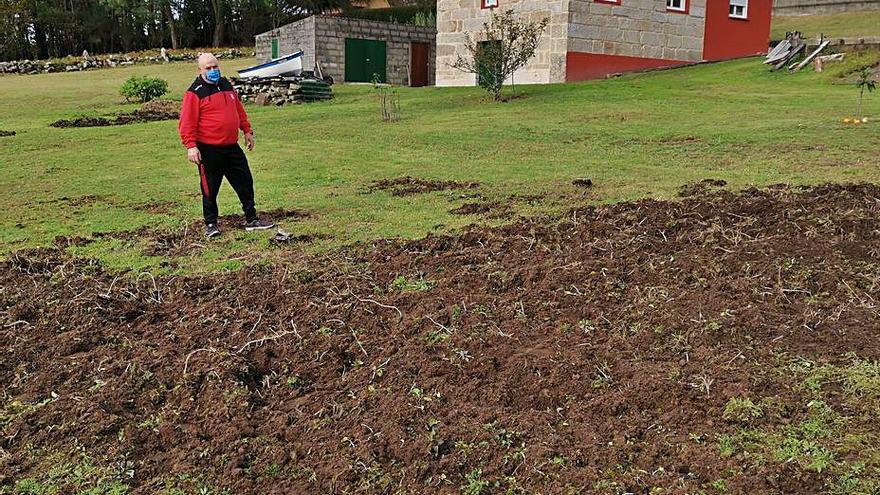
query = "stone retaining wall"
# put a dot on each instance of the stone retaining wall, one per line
(848, 44)
(804, 7)
(105, 61)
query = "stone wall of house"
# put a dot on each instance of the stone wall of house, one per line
(331, 32)
(803, 7)
(293, 37)
(456, 19)
(638, 28)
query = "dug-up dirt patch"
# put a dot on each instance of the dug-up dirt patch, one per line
(595, 353)
(186, 240)
(406, 186)
(151, 111)
(701, 188)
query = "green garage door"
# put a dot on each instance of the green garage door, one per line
(363, 58)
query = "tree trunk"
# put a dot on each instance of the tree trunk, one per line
(217, 6)
(859, 106)
(172, 27)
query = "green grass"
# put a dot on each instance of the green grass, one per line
(849, 24)
(636, 136)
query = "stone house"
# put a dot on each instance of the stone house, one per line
(588, 39)
(354, 50)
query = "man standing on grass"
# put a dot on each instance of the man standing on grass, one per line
(210, 119)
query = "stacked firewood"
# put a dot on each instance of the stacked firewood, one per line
(278, 90)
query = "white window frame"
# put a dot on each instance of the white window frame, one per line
(683, 5)
(743, 4)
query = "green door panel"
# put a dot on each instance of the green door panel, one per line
(364, 59)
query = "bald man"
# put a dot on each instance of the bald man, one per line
(211, 117)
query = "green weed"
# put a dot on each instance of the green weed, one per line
(742, 410)
(401, 284)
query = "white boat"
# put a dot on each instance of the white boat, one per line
(282, 65)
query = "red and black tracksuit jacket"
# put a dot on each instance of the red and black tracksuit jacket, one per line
(210, 119)
(212, 114)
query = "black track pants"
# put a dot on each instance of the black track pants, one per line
(229, 162)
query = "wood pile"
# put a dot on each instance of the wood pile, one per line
(792, 52)
(75, 64)
(278, 90)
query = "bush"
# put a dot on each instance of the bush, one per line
(143, 88)
(504, 45)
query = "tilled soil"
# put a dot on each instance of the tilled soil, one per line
(700, 188)
(151, 111)
(594, 353)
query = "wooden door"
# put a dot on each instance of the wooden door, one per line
(420, 64)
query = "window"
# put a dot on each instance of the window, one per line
(739, 9)
(488, 4)
(676, 5)
(612, 2)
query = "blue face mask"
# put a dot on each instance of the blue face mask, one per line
(213, 75)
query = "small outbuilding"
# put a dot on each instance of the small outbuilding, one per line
(356, 50)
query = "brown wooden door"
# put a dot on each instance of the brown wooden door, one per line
(419, 64)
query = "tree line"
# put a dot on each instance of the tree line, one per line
(37, 29)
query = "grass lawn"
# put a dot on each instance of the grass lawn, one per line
(636, 136)
(848, 24)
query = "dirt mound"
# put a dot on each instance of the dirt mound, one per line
(701, 188)
(405, 186)
(151, 111)
(7, 133)
(648, 347)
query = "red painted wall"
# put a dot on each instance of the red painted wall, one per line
(731, 38)
(581, 66)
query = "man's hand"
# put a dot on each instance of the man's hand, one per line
(249, 140)
(193, 155)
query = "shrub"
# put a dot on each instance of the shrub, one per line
(389, 100)
(143, 88)
(503, 46)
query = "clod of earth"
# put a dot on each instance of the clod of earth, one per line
(6, 133)
(405, 186)
(643, 347)
(581, 182)
(151, 111)
(700, 188)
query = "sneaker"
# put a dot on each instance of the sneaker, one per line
(257, 224)
(211, 230)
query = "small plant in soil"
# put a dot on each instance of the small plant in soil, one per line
(389, 100)
(865, 82)
(742, 410)
(473, 485)
(401, 284)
